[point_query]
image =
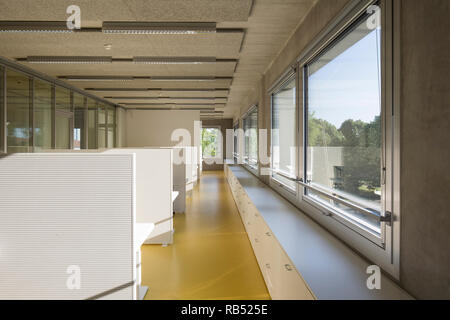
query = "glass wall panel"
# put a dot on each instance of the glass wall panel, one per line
(80, 129)
(42, 115)
(101, 127)
(62, 96)
(92, 124)
(344, 130)
(62, 132)
(63, 118)
(284, 131)
(111, 126)
(18, 112)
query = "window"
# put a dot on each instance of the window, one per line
(236, 141)
(42, 115)
(284, 131)
(343, 117)
(211, 143)
(251, 138)
(80, 115)
(18, 112)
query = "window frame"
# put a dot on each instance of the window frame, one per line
(219, 146)
(384, 253)
(285, 190)
(253, 169)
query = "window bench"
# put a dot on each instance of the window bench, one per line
(298, 258)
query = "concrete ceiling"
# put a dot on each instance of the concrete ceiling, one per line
(251, 32)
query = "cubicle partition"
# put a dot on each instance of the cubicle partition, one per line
(154, 190)
(67, 228)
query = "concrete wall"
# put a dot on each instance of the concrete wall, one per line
(148, 128)
(224, 125)
(425, 148)
(425, 134)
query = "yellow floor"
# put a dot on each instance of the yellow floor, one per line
(211, 257)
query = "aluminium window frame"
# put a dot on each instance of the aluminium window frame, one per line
(277, 184)
(253, 169)
(386, 253)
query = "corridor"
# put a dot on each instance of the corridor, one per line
(211, 257)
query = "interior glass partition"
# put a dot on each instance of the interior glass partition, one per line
(101, 129)
(80, 120)
(92, 123)
(64, 116)
(18, 112)
(111, 127)
(38, 114)
(42, 115)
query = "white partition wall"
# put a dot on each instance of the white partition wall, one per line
(154, 186)
(67, 226)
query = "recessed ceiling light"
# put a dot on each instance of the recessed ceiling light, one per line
(159, 27)
(96, 78)
(68, 60)
(174, 60)
(34, 26)
(108, 46)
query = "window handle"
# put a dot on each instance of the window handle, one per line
(387, 218)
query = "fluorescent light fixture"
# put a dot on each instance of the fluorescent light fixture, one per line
(190, 78)
(96, 78)
(159, 27)
(166, 97)
(129, 78)
(68, 60)
(173, 103)
(174, 60)
(34, 26)
(224, 91)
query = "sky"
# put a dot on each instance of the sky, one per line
(348, 86)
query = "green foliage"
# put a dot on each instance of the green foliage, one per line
(209, 142)
(361, 144)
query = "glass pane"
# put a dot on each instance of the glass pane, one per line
(211, 143)
(344, 123)
(42, 115)
(284, 132)
(18, 112)
(62, 132)
(251, 138)
(236, 141)
(79, 130)
(92, 129)
(101, 127)
(111, 116)
(111, 137)
(62, 97)
(101, 115)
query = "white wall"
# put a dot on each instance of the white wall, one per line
(148, 128)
